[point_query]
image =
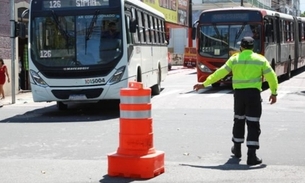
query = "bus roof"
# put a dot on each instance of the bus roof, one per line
(302, 19)
(264, 12)
(145, 6)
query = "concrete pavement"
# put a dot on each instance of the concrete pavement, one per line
(22, 97)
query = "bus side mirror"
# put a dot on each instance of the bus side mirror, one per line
(21, 30)
(268, 30)
(193, 33)
(133, 26)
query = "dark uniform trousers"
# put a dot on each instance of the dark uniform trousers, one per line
(247, 109)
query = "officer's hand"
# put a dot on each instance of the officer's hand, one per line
(198, 86)
(272, 99)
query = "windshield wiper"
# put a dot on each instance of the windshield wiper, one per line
(216, 30)
(240, 31)
(89, 30)
(59, 27)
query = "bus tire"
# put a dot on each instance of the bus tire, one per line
(61, 106)
(156, 89)
(139, 75)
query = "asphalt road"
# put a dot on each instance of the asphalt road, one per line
(40, 144)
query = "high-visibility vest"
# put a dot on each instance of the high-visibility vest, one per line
(247, 69)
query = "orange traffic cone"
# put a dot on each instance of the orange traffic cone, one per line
(136, 156)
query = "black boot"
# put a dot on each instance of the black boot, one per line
(252, 158)
(236, 150)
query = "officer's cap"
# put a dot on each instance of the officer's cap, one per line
(247, 43)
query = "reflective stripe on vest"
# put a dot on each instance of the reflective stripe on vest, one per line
(267, 71)
(228, 68)
(239, 81)
(246, 62)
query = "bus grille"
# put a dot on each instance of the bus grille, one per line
(75, 74)
(65, 94)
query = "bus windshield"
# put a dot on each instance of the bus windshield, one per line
(61, 41)
(221, 41)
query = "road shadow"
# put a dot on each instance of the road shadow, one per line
(222, 89)
(231, 164)
(86, 112)
(109, 179)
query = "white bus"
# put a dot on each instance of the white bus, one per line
(72, 58)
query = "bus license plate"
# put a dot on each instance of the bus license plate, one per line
(77, 97)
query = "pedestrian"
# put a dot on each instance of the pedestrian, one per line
(3, 75)
(248, 69)
(20, 73)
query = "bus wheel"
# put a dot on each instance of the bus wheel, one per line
(215, 85)
(157, 87)
(61, 106)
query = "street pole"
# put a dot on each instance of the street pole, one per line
(190, 25)
(12, 20)
(241, 2)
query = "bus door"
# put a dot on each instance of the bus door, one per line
(129, 30)
(298, 42)
(278, 39)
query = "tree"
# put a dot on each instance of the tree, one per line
(303, 14)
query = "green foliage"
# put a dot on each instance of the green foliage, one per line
(303, 14)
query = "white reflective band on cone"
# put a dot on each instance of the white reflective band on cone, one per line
(135, 114)
(135, 100)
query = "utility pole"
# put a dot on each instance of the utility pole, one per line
(190, 25)
(12, 20)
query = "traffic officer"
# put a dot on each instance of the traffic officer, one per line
(248, 69)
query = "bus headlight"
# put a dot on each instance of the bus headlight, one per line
(37, 79)
(204, 68)
(117, 76)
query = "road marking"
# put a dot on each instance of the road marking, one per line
(281, 94)
(166, 93)
(219, 93)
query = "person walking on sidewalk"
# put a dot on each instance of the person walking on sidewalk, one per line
(248, 69)
(3, 75)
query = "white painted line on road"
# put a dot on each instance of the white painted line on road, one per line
(166, 93)
(192, 93)
(282, 94)
(219, 93)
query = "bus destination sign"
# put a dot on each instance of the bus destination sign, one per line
(230, 17)
(53, 4)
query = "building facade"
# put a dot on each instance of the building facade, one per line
(6, 46)
(291, 7)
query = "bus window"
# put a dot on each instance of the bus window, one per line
(141, 27)
(256, 30)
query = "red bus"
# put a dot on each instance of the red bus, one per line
(218, 33)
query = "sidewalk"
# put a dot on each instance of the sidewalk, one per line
(21, 97)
